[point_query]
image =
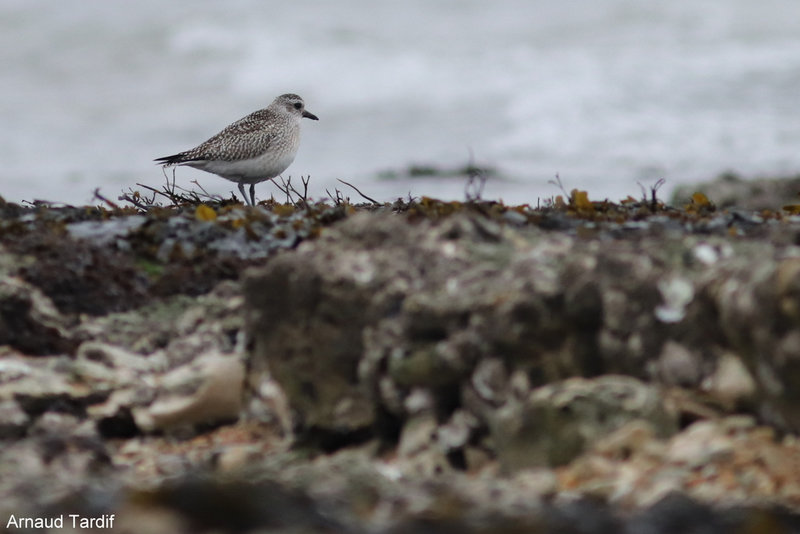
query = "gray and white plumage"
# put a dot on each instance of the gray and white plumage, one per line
(253, 149)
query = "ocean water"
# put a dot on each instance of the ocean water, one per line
(608, 94)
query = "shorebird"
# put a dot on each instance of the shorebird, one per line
(253, 149)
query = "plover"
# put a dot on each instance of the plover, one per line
(253, 149)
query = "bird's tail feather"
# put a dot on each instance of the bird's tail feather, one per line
(175, 159)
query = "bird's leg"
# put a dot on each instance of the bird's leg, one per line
(252, 194)
(241, 190)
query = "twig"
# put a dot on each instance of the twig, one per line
(653, 200)
(338, 200)
(654, 190)
(167, 188)
(305, 181)
(359, 192)
(138, 200)
(198, 198)
(557, 182)
(476, 180)
(134, 199)
(206, 193)
(285, 186)
(157, 192)
(293, 196)
(101, 198)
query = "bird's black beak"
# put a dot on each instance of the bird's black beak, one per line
(311, 116)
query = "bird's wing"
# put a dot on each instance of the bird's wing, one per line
(243, 139)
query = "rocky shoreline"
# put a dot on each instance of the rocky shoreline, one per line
(421, 366)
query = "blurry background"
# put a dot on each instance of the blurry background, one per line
(603, 92)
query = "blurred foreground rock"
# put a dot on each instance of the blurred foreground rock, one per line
(428, 367)
(375, 315)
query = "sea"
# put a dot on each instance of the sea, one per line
(607, 96)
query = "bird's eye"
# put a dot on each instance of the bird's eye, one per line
(298, 105)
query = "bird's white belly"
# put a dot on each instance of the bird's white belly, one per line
(250, 171)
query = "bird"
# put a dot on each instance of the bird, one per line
(253, 149)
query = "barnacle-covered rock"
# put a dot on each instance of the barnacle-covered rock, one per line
(464, 366)
(557, 422)
(354, 322)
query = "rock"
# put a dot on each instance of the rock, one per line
(635, 437)
(306, 322)
(730, 190)
(456, 433)
(209, 390)
(731, 383)
(678, 366)
(452, 367)
(558, 422)
(126, 365)
(29, 321)
(676, 293)
(41, 384)
(419, 453)
(105, 232)
(353, 323)
(13, 420)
